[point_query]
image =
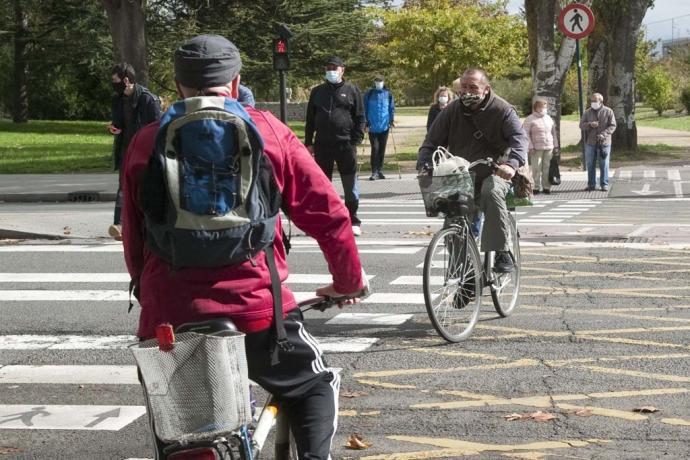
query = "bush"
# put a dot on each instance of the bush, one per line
(517, 92)
(685, 98)
(657, 90)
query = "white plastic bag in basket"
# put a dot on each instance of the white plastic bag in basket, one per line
(447, 164)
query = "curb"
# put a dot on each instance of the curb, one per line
(85, 196)
(20, 235)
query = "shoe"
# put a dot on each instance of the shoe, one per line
(503, 262)
(465, 294)
(381, 176)
(115, 231)
(589, 189)
(536, 192)
(547, 191)
(357, 230)
(373, 177)
(605, 188)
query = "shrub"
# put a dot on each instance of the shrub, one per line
(657, 90)
(685, 98)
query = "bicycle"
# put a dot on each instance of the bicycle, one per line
(454, 307)
(212, 432)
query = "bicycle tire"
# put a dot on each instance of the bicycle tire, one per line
(505, 287)
(451, 303)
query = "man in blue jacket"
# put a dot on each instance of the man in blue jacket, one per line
(379, 110)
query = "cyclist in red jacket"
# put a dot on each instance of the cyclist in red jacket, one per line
(210, 65)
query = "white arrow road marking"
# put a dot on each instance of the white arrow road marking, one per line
(645, 190)
(48, 417)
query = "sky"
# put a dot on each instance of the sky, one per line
(655, 19)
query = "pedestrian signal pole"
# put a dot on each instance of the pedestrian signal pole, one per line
(281, 63)
(576, 21)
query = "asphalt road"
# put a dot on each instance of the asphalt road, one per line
(602, 329)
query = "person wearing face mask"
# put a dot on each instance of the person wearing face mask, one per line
(442, 97)
(379, 111)
(477, 125)
(598, 124)
(541, 132)
(133, 107)
(334, 128)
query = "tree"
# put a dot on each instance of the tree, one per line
(432, 42)
(127, 27)
(655, 85)
(612, 47)
(549, 65)
(21, 106)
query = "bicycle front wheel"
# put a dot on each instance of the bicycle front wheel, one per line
(452, 281)
(505, 287)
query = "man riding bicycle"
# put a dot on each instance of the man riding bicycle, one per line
(479, 125)
(308, 389)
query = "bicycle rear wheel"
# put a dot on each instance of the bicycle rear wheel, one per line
(452, 281)
(505, 287)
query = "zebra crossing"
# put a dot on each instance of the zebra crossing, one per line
(553, 212)
(668, 182)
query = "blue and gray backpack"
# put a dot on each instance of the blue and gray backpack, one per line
(209, 195)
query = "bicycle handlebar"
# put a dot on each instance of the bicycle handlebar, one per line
(324, 303)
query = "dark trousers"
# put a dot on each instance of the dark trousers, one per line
(344, 155)
(378, 150)
(306, 388)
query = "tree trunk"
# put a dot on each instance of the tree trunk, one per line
(612, 49)
(549, 67)
(21, 105)
(127, 28)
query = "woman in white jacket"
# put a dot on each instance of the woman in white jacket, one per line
(541, 131)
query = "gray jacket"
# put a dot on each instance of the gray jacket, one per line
(491, 131)
(602, 133)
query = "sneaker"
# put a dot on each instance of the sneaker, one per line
(605, 188)
(115, 231)
(357, 230)
(547, 191)
(503, 262)
(381, 176)
(373, 177)
(589, 189)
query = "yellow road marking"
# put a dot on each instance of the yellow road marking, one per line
(465, 354)
(568, 362)
(604, 412)
(392, 373)
(675, 421)
(354, 413)
(645, 375)
(456, 448)
(392, 386)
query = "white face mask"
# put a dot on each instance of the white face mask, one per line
(596, 105)
(378, 84)
(443, 100)
(543, 111)
(333, 76)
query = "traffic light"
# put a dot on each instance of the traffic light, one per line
(281, 56)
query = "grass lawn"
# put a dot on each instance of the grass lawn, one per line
(413, 110)
(644, 116)
(55, 147)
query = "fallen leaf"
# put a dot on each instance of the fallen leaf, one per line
(538, 416)
(9, 450)
(356, 441)
(353, 394)
(646, 409)
(67, 230)
(579, 412)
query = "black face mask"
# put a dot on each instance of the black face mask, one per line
(119, 87)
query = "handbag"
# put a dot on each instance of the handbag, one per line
(523, 182)
(554, 171)
(447, 164)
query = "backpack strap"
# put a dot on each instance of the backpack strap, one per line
(280, 335)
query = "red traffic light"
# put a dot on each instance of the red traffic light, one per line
(281, 46)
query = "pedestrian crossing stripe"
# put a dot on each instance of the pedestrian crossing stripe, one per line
(372, 319)
(365, 246)
(120, 342)
(57, 417)
(69, 374)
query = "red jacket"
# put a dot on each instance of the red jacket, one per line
(241, 292)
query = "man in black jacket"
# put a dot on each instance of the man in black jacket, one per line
(133, 108)
(335, 112)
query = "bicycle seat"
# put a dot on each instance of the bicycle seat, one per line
(217, 326)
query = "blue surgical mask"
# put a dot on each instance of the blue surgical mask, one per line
(333, 76)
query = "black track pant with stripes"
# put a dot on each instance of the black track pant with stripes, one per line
(308, 390)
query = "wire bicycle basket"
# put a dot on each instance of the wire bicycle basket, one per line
(199, 389)
(452, 194)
